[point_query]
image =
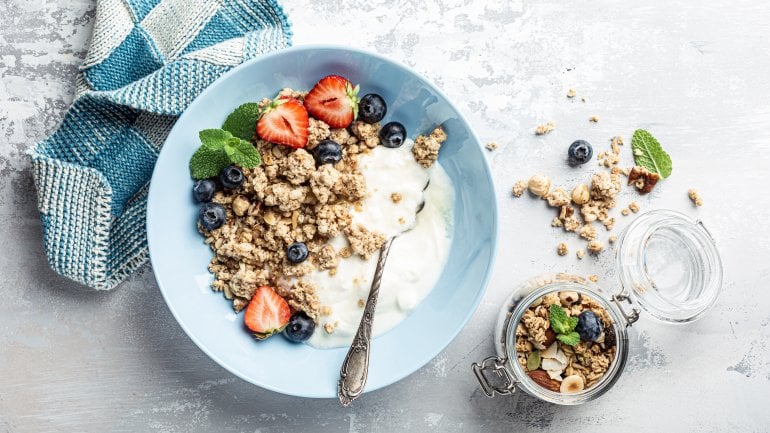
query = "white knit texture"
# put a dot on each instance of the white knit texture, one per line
(173, 24)
(113, 23)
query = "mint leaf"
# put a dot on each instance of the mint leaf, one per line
(218, 150)
(242, 122)
(207, 162)
(243, 153)
(214, 138)
(561, 323)
(570, 339)
(649, 154)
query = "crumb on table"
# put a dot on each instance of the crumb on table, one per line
(594, 119)
(562, 249)
(545, 128)
(697, 200)
(519, 187)
(491, 145)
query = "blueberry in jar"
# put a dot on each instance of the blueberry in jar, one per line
(589, 326)
(579, 152)
(327, 152)
(231, 177)
(203, 190)
(372, 108)
(297, 252)
(212, 216)
(392, 134)
(299, 328)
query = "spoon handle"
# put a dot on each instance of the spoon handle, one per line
(355, 367)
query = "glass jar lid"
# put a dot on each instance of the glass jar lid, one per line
(669, 263)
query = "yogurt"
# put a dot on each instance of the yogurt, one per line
(416, 257)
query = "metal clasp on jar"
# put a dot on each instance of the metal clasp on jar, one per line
(503, 383)
(631, 317)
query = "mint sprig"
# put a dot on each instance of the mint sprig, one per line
(648, 153)
(564, 326)
(219, 148)
(571, 339)
(242, 122)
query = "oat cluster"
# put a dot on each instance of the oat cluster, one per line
(426, 148)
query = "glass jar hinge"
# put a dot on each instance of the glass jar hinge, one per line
(504, 382)
(631, 317)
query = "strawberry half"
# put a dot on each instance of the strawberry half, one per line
(267, 313)
(284, 121)
(334, 100)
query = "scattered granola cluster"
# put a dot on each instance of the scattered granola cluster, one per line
(561, 360)
(586, 206)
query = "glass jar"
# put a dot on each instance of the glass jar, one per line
(668, 266)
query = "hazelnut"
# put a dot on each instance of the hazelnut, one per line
(240, 205)
(539, 185)
(581, 194)
(568, 298)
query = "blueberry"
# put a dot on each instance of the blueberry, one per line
(372, 108)
(296, 252)
(589, 326)
(212, 216)
(392, 134)
(327, 152)
(204, 190)
(299, 328)
(231, 177)
(579, 152)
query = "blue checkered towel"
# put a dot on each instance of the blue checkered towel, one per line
(147, 61)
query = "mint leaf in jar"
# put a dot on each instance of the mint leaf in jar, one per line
(570, 339)
(561, 323)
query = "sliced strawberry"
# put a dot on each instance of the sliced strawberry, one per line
(333, 100)
(267, 313)
(284, 121)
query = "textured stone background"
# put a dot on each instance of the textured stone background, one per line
(695, 73)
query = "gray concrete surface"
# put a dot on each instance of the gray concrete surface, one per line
(694, 73)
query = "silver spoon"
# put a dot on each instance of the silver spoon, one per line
(355, 367)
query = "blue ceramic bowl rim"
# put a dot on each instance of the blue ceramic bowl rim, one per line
(493, 207)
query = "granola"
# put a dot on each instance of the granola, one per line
(426, 148)
(552, 363)
(545, 128)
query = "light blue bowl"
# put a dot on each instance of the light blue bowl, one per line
(179, 257)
